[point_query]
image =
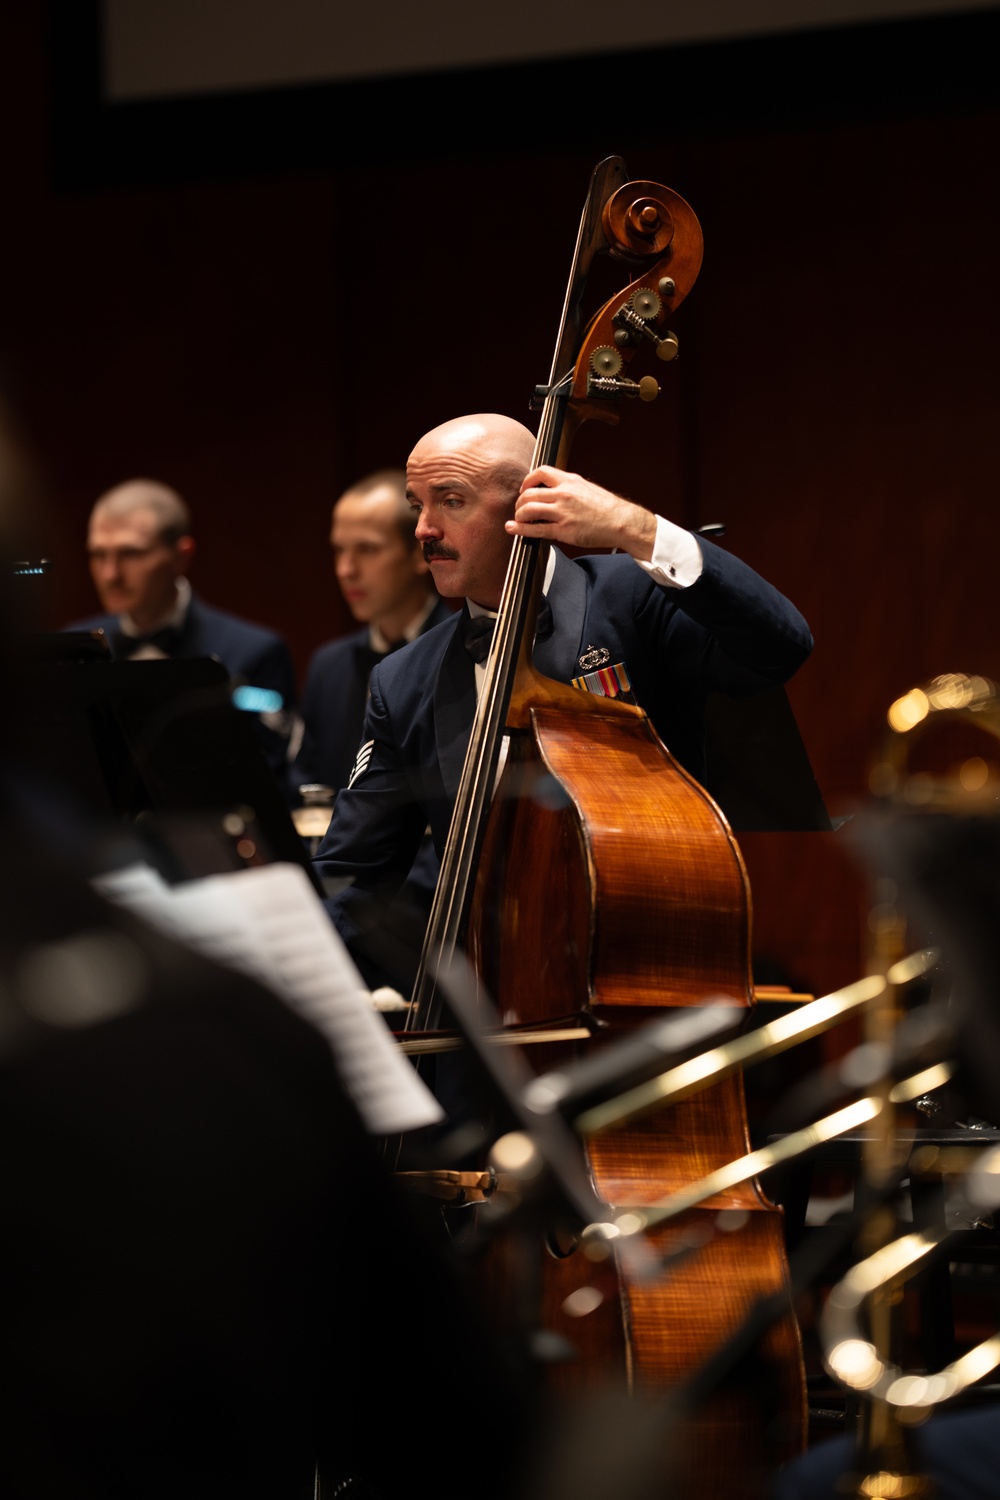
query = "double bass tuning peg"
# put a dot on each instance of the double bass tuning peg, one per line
(635, 320)
(612, 386)
(605, 379)
(668, 347)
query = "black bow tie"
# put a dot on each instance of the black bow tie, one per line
(478, 631)
(123, 646)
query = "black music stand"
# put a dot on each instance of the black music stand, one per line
(160, 745)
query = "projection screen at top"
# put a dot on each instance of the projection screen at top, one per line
(164, 48)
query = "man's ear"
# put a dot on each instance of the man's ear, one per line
(185, 552)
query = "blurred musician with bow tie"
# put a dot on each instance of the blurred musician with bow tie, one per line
(140, 547)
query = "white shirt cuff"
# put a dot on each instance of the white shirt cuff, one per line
(677, 561)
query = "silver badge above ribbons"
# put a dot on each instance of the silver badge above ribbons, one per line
(594, 656)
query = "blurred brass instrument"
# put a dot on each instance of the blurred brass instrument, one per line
(856, 1325)
(969, 787)
(850, 1354)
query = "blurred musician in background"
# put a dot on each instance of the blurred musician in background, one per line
(388, 588)
(140, 548)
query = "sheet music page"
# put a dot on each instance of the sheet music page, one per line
(267, 922)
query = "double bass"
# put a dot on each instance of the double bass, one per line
(596, 885)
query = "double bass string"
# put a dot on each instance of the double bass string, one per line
(444, 929)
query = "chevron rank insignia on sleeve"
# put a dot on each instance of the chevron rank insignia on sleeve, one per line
(361, 763)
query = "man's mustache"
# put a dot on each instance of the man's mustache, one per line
(437, 549)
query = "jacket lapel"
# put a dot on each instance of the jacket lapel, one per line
(556, 655)
(454, 709)
(190, 641)
(351, 707)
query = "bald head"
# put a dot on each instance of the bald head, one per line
(464, 478)
(138, 544)
(493, 441)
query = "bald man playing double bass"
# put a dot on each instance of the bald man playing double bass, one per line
(669, 617)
